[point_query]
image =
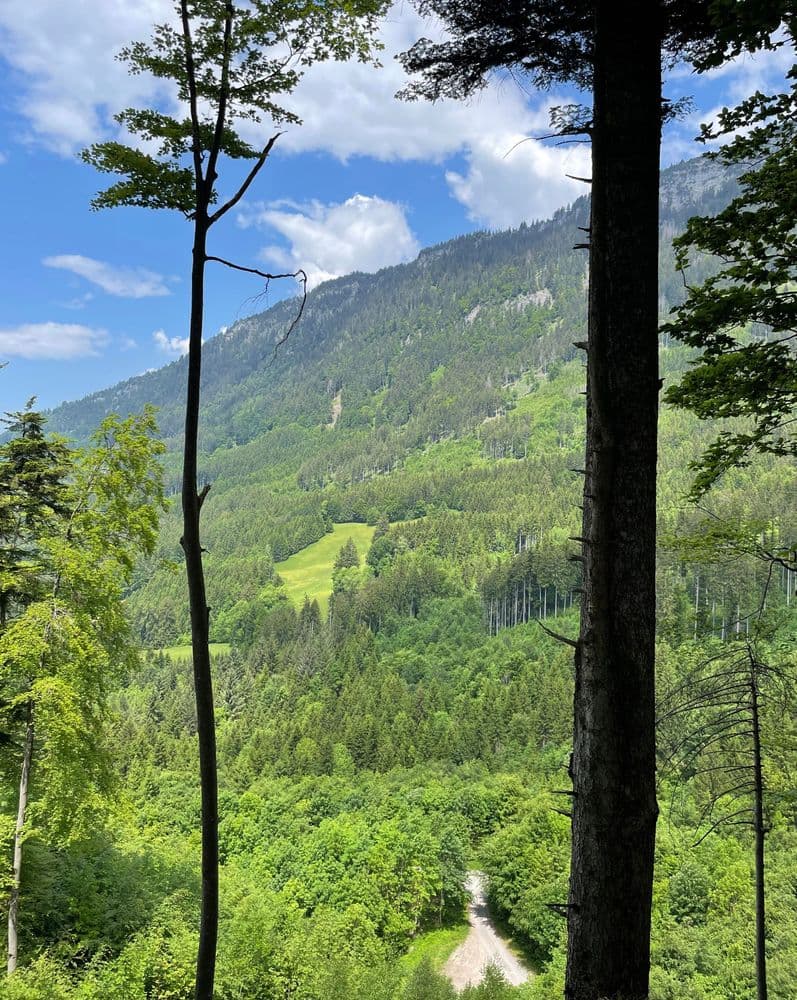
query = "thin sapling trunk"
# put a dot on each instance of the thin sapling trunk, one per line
(200, 630)
(19, 833)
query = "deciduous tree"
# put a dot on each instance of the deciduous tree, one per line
(230, 63)
(743, 319)
(79, 522)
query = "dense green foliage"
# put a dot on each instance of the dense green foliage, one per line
(361, 774)
(72, 525)
(742, 318)
(371, 754)
(456, 398)
(77, 521)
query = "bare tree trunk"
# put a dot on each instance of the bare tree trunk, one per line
(16, 874)
(203, 685)
(760, 834)
(697, 602)
(614, 802)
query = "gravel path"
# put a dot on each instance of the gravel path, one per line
(482, 946)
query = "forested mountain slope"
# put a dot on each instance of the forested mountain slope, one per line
(357, 415)
(500, 298)
(369, 756)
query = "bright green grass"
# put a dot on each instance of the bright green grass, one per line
(310, 571)
(184, 652)
(436, 946)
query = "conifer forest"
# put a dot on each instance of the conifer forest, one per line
(430, 632)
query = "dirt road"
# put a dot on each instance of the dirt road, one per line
(483, 946)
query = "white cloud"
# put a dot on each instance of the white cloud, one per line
(51, 341)
(128, 344)
(361, 234)
(53, 44)
(126, 282)
(499, 188)
(3, 158)
(365, 118)
(510, 180)
(348, 109)
(170, 345)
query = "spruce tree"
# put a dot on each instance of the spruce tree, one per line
(616, 49)
(32, 470)
(348, 556)
(743, 318)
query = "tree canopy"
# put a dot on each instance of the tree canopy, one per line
(551, 42)
(743, 318)
(230, 64)
(73, 524)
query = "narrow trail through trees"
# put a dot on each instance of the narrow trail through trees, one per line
(482, 947)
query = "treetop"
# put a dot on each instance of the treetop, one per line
(222, 63)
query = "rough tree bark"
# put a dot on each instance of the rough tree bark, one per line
(613, 764)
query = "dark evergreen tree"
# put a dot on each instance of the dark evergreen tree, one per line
(743, 318)
(348, 556)
(612, 47)
(613, 763)
(32, 470)
(309, 618)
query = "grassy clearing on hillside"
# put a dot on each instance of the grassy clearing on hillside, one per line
(184, 652)
(436, 946)
(310, 571)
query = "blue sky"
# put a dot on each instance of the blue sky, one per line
(90, 298)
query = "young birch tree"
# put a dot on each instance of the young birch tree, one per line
(230, 63)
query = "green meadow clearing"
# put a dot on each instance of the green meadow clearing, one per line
(310, 571)
(184, 652)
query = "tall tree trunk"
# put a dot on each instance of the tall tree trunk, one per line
(760, 834)
(613, 769)
(22, 808)
(203, 685)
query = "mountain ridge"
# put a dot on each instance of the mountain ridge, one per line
(683, 185)
(456, 384)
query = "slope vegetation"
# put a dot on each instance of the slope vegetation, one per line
(456, 387)
(308, 573)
